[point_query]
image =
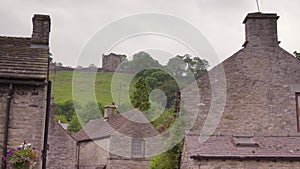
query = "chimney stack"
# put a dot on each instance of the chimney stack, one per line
(261, 30)
(41, 30)
(110, 110)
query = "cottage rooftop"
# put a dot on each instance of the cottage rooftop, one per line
(26, 58)
(125, 123)
(223, 147)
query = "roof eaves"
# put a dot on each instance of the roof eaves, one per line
(257, 157)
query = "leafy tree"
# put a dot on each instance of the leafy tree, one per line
(60, 118)
(66, 109)
(159, 79)
(124, 107)
(168, 159)
(92, 66)
(187, 66)
(140, 97)
(90, 111)
(297, 55)
(74, 124)
(177, 66)
(140, 61)
(59, 64)
(197, 66)
(170, 87)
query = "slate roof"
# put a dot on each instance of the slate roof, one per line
(132, 124)
(18, 60)
(223, 147)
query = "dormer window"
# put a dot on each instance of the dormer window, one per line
(138, 146)
(298, 110)
(244, 141)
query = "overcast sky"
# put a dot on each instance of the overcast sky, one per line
(75, 22)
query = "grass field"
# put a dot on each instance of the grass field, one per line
(88, 86)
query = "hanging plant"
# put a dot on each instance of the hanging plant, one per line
(22, 157)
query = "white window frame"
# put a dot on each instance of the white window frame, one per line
(134, 143)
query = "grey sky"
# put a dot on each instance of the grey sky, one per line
(75, 22)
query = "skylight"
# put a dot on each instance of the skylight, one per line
(244, 141)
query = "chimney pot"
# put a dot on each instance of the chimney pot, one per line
(110, 110)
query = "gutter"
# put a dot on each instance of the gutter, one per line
(45, 146)
(231, 157)
(9, 97)
(92, 139)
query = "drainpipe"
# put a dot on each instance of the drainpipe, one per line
(45, 146)
(78, 153)
(9, 97)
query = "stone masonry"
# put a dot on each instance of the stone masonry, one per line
(24, 68)
(111, 62)
(261, 82)
(62, 152)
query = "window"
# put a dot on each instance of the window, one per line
(244, 141)
(298, 110)
(138, 147)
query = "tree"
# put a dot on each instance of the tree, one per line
(92, 66)
(158, 79)
(140, 97)
(74, 124)
(90, 111)
(197, 66)
(177, 66)
(297, 55)
(168, 159)
(66, 109)
(170, 87)
(187, 67)
(60, 118)
(59, 64)
(140, 61)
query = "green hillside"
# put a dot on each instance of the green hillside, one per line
(62, 87)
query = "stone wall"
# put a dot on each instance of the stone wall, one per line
(261, 82)
(62, 151)
(186, 162)
(27, 114)
(3, 95)
(127, 163)
(241, 164)
(111, 62)
(92, 155)
(261, 86)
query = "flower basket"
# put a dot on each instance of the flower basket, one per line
(22, 157)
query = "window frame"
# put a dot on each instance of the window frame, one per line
(142, 143)
(297, 95)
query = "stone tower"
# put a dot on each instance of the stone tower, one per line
(111, 62)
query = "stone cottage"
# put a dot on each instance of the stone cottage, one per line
(62, 148)
(260, 122)
(23, 89)
(117, 141)
(26, 112)
(111, 61)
